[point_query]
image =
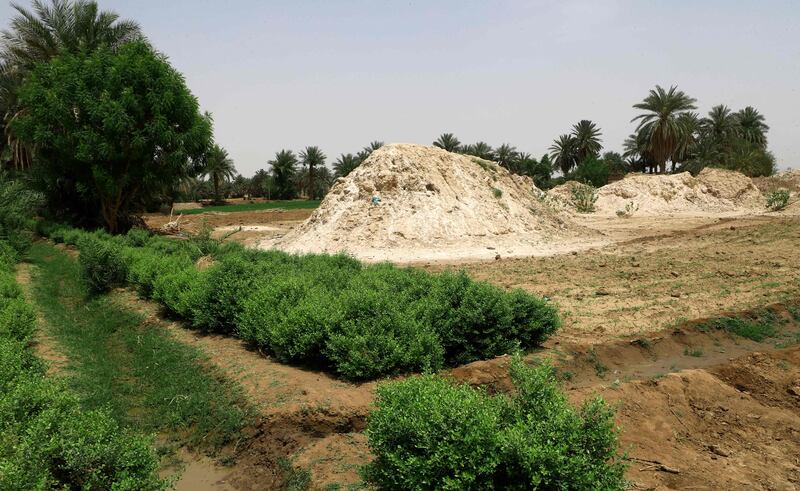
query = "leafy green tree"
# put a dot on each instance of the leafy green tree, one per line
(345, 164)
(587, 140)
(539, 171)
(659, 125)
(36, 36)
(447, 141)
(284, 168)
(105, 138)
(564, 153)
(752, 126)
(219, 168)
(259, 183)
(312, 158)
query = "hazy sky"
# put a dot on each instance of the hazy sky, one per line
(339, 74)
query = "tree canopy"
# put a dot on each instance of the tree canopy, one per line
(110, 129)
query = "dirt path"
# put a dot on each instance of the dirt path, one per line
(45, 345)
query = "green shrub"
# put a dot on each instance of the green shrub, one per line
(228, 284)
(55, 444)
(102, 264)
(778, 199)
(593, 172)
(8, 256)
(290, 317)
(57, 235)
(17, 320)
(181, 291)
(73, 236)
(137, 237)
(429, 434)
(377, 336)
(584, 196)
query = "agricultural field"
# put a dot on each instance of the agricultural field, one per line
(188, 303)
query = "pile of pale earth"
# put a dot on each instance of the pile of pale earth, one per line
(713, 191)
(411, 203)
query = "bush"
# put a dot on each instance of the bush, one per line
(778, 199)
(181, 291)
(584, 197)
(17, 320)
(101, 263)
(137, 237)
(429, 434)
(593, 172)
(227, 285)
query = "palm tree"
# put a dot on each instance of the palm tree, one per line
(482, 150)
(506, 156)
(721, 125)
(447, 141)
(284, 168)
(311, 158)
(374, 145)
(345, 164)
(690, 125)
(35, 36)
(563, 153)
(587, 140)
(219, 168)
(752, 127)
(660, 125)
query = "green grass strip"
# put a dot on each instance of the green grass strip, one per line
(119, 360)
(269, 205)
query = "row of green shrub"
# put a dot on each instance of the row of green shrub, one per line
(47, 441)
(427, 433)
(362, 321)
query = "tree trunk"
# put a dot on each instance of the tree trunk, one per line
(311, 181)
(216, 188)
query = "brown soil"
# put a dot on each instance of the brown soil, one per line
(255, 225)
(658, 277)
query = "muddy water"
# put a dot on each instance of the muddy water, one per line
(199, 473)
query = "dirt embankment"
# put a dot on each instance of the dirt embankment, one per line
(410, 202)
(713, 191)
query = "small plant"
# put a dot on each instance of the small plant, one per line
(497, 193)
(778, 199)
(102, 264)
(599, 367)
(695, 352)
(630, 209)
(584, 197)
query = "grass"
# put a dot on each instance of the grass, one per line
(695, 352)
(268, 205)
(758, 329)
(131, 365)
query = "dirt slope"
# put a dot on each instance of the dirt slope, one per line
(433, 204)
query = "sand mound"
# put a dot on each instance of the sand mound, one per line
(432, 204)
(789, 180)
(712, 191)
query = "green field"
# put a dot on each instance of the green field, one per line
(269, 205)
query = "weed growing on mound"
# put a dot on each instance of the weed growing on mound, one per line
(762, 327)
(778, 199)
(427, 433)
(584, 197)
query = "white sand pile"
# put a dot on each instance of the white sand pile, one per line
(789, 180)
(713, 191)
(432, 205)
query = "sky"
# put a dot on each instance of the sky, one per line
(339, 74)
